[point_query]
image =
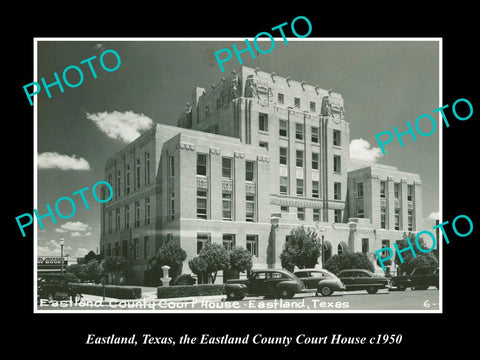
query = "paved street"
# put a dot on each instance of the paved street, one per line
(384, 300)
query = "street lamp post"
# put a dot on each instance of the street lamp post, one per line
(321, 229)
(62, 242)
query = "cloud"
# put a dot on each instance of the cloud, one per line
(52, 160)
(75, 226)
(362, 150)
(79, 234)
(126, 126)
(434, 215)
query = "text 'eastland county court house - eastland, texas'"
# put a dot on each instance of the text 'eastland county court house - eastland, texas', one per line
(252, 158)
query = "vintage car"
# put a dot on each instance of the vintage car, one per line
(56, 287)
(420, 279)
(266, 282)
(361, 279)
(320, 280)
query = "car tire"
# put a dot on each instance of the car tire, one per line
(76, 298)
(286, 294)
(232, 295)
(326, 291)
(401, 288)
(372, 290)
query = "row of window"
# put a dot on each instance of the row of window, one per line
(299, 160)
(122, 249)
(115, 216)
(316, 213)
(130, 186)
(229, 241)
(300, 188)
(383, 190)
(299, 130)
(227, 167)
(227, 206)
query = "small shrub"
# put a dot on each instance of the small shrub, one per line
(111, 291)
(189, 290)
(185, 279)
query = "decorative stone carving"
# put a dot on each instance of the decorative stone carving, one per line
(251, 87)
(239, 154)
(390, 178)
(186, 146)
(263, 158)
(234, 91)
(250, 187)
(227, 185)
(215, 151)
(202, 182)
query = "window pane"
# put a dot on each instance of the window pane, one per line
(227, 168)
(202, 164)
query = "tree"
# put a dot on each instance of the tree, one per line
(90, 256)
(113, 265)
(170, 254)
(78, 270)
(92, 271)
(410, 262)
(210, 260)
(240, 260)
(301, 249)
(343, 261)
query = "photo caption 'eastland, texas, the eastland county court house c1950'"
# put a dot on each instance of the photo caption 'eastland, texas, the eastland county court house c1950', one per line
(252, 158)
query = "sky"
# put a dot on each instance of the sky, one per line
(383, 84)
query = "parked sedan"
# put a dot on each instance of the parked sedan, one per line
(321, 280)
(420, 279)
(361, 279)
(56, 287)
(267, 282)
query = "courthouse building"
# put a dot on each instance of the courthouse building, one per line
(253, 157)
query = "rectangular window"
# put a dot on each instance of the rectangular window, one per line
(284, 209)
(337, 138)
(203, 239)
(219, 104)
(301, 213)
(109, 222)
(385, 244)
(312, 106)
(281, 98)
(263, 122)
(283, 185)
(337, 164)
(359, 190)
(118, 183)
(299, 131)
(147, 168)
(147, 211)
(365, 247)
(337, 214)
(316, 214)
(172, 205)
(410, 192)
(109, 250)
(146, 247)
(227, 167)
(125, 248)
(299, 187)
(283, 156)
(315, 157)
(136, 248)
(127, 175)
(202, 164)
(127, 217)
(397, 219)
(137, 174)
(315, 190)
(172, 166)
(360, 210)
(383, 217)
(117, 219)
(337, 191)
(396, 190)
(117, 249)
(299, 158)
(315, 135)
(283, 128)
(410, 220)
(207, 110)
(201, 204)
(226, 206)
(296, 102)
(252, 244)
(263, 144)
(249, 170)
(250, 208)
(137, 213)
(383, 189)
(228, 241)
